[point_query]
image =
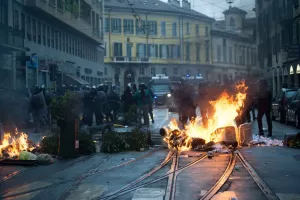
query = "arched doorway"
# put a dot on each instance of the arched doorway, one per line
(128, 77)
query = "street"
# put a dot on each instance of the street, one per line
(156, 174)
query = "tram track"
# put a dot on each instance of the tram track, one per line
(96, 169)
(171, 175)
(269, 194)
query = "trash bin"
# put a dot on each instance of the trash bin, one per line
(68, 139)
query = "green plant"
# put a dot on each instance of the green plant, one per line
(86, 144)
(137, 139)
(49, 144)
(66, 107)
(113, 142)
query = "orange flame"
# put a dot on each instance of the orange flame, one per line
(13, 145)
(226, 109)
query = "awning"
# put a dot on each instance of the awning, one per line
(71, 79)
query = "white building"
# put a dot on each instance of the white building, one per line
(233, 46)
(68, 34)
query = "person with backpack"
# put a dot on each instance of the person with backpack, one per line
(264, 106)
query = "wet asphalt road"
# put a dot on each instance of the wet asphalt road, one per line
(52, 181)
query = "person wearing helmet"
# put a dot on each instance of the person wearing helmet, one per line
(113, 104)
(100, 100)
(151, 101)
(143, 97)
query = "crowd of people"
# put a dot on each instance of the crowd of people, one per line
(107, 105)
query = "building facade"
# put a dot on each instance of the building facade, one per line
(11, 46)
(234, 47)
(65, 34)
(144, 38)
(276, 42)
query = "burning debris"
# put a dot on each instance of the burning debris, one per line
(221, 127)
(13, 144)
(16, 146)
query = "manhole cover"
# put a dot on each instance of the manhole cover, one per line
(297, 157)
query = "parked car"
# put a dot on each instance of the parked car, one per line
(293, 111)
(280, 103)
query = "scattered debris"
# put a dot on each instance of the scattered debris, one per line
(265, 141)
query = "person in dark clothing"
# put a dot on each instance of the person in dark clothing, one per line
(127, 99)
(264, 106)
(203, 103)
(100, 100)
(113, 105)
(151, 100)
(89, 103)
(187, 108)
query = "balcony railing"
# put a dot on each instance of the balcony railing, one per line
(11, 37)
(124, 59)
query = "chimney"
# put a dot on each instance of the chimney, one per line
(186, 4)
(174, 2)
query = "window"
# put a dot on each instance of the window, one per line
(39, 33)
(218, 53)
(230, 54)
(153, 50)
(174, 29)
(116, 25)
(207, 51)
(174, 51)
(206, 31)
(128, 26)
(164, 71)
(3, 12)
(163, 29)
(70, 47)
(73, 48)
(23, 22)
(105, 49)
(52, 37)
(56, 39)
(118, 49)
(248, 56)
(224, 51)
(175, 71)
(29, 28)
(16, 20)
(34, 30)
(187, 28)
(67, 43)
(106, 25)
(187, 52)
(153, 71)
(232, 22)
(48, 36)
(141, 50)
(197, 30)
(105, 69)
(44, 34)
(198, 52)
(140, 27)
(163, 51)
(152, 27)
(142, 71)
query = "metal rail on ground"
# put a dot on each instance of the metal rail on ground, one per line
(177, 171)
(261, 184)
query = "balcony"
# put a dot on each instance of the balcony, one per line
(11, 39)
(73, 15)
(124, 59)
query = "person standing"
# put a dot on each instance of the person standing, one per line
(151, 100)
(142, 97)
(100, 99)
(264, 101)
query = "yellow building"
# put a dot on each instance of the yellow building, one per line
(148, 37)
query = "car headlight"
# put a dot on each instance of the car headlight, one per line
(169, 95)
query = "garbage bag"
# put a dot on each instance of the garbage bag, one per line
(45, 158)
(25, 155)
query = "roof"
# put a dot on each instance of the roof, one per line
(235, 10)
(155, 6)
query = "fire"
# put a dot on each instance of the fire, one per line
(12, 145)
(226, 108)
